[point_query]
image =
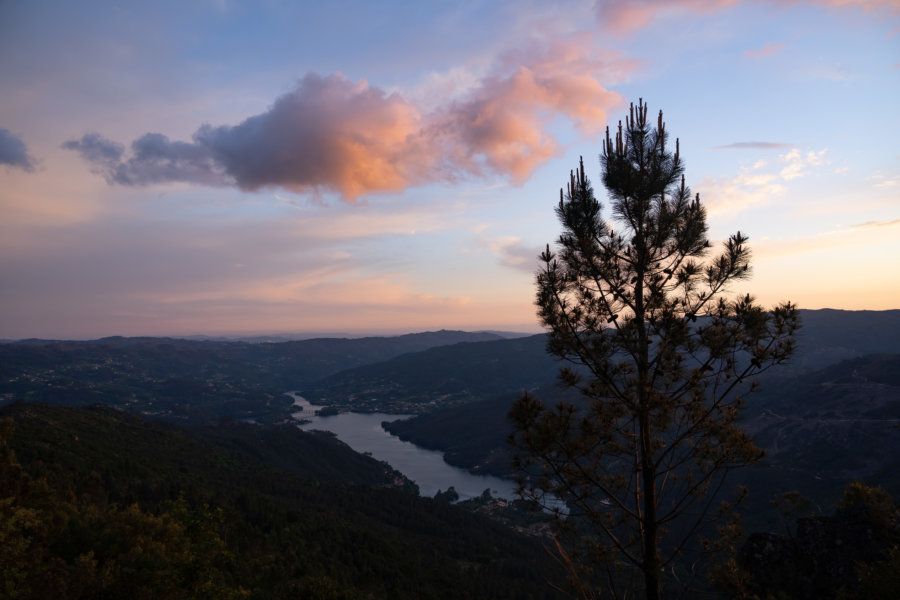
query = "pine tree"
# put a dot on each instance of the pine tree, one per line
(660, 358)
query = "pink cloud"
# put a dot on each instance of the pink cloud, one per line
(500, 125)
(867, 5)
(767, 50)
(627, 16)
(329, 132)
(333, 134)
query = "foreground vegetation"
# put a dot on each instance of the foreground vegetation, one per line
(97, 503)
(97, 498)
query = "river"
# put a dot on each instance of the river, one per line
(363, 432)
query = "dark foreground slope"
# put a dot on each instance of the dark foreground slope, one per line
(108, 505)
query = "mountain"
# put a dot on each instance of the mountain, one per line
(461, 373)
(830, 426)
(192, 381)
(822, 422)
(108, 501)
(439, 377)
(828, 336)
(820, 430)
(832, 407)
(472, 436)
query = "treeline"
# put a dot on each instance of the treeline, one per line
(96, 503)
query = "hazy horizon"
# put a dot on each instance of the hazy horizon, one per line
(228, 167)
(523, 330)
(293, 335)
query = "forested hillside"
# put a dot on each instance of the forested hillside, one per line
(821, 425)
(100, 497)
(439, 377)
(97, 503)
(191, 381)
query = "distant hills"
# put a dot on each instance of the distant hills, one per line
(309, 517)
(828, 415)
(443, 376)
(828, 336)
(831, 416)
(829, 426)
(292, 337)
(456, 374)
(193, 381)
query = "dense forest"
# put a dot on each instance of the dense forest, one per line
(153, 467)
(98, 503)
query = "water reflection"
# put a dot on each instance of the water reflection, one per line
(363, 432)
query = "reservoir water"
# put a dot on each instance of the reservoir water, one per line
(363, 433)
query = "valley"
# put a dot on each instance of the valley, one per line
(143, 422)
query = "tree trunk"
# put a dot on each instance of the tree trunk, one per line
(651, 561)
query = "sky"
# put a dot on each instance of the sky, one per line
(227, 167)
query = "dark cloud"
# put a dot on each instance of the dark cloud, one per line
(104, 154)
(754, 146)
(155, 159)
(334, 134)
(14, 153)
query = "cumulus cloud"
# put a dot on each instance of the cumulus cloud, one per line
(753, 146)
(14, 153)
(500, 125)
(334, 134)
(328, 133)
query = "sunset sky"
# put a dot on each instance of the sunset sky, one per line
(236, 167)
